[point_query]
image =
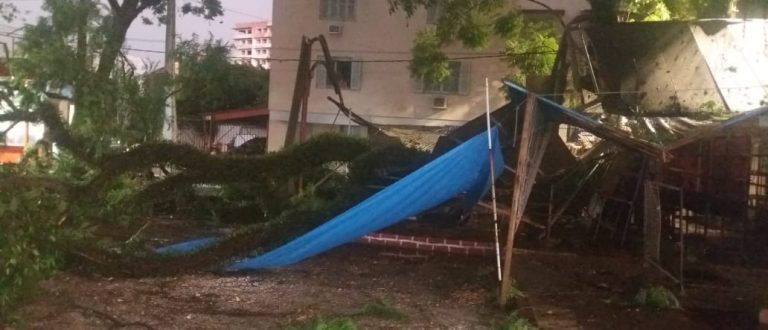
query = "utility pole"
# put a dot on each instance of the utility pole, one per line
(170, 126)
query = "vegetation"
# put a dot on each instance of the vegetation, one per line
(50, 203)
(382, 309)
(515, 322)
(27, 244)
(530, 44)
(209, 81)
(658, 298)
(338, 323)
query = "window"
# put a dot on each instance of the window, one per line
(457, 83)
(349, 73)
(342, 10)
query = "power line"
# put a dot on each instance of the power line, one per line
(244, 13)
(403, 60)
(469, 57)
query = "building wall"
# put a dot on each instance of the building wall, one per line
(386, 93)
(252, 42)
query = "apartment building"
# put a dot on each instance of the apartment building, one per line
(371, 48)
(252, 43)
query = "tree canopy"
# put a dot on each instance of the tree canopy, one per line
(209, 81)
(78, 45)
(530, 45)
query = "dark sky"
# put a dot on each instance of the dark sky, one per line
(146, 37)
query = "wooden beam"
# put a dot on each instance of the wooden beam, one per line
(520, 179)
(508, 212)
(302, 75)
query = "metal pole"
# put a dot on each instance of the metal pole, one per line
(493, 178)
(170, 130)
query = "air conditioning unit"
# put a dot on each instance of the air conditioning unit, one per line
(440, 102)
(334, 29)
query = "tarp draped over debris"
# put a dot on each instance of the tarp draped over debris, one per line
(463, 171)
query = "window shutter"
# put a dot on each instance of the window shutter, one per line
(357, 74)
(321, 76)
(465, 79)
(351, 10)
(323, 9)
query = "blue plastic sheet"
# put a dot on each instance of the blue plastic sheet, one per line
(188, 246)
(463, 171)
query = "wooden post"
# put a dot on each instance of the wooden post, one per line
(305, 108)
(302, 75)
(652, 228)
(550, 210)
(520, 178)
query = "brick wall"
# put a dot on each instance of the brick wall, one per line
(429, 244)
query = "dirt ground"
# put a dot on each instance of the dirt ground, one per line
(563, 291)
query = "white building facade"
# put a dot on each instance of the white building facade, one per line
(371, 48)
(252, 43)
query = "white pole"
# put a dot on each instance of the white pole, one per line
(493, 177)
(170, 123)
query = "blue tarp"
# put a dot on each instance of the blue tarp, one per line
(461, 171)
(188, 246)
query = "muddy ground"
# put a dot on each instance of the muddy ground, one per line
(433, 292)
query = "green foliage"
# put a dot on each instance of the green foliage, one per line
(29, 237)
(515, 293)
(428, 59)
(515, 322)
(607, 11)
(120, 107)
(8, 11)
(386, 160)
(530, 46)
(658, 298)
(208, 81)
(647, 10)
(73, 53)
(337, 323)
(381, 309)
(692, 9)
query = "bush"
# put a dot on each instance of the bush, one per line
(29, 234)
(657, 297)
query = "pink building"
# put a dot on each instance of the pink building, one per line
(252, 42)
